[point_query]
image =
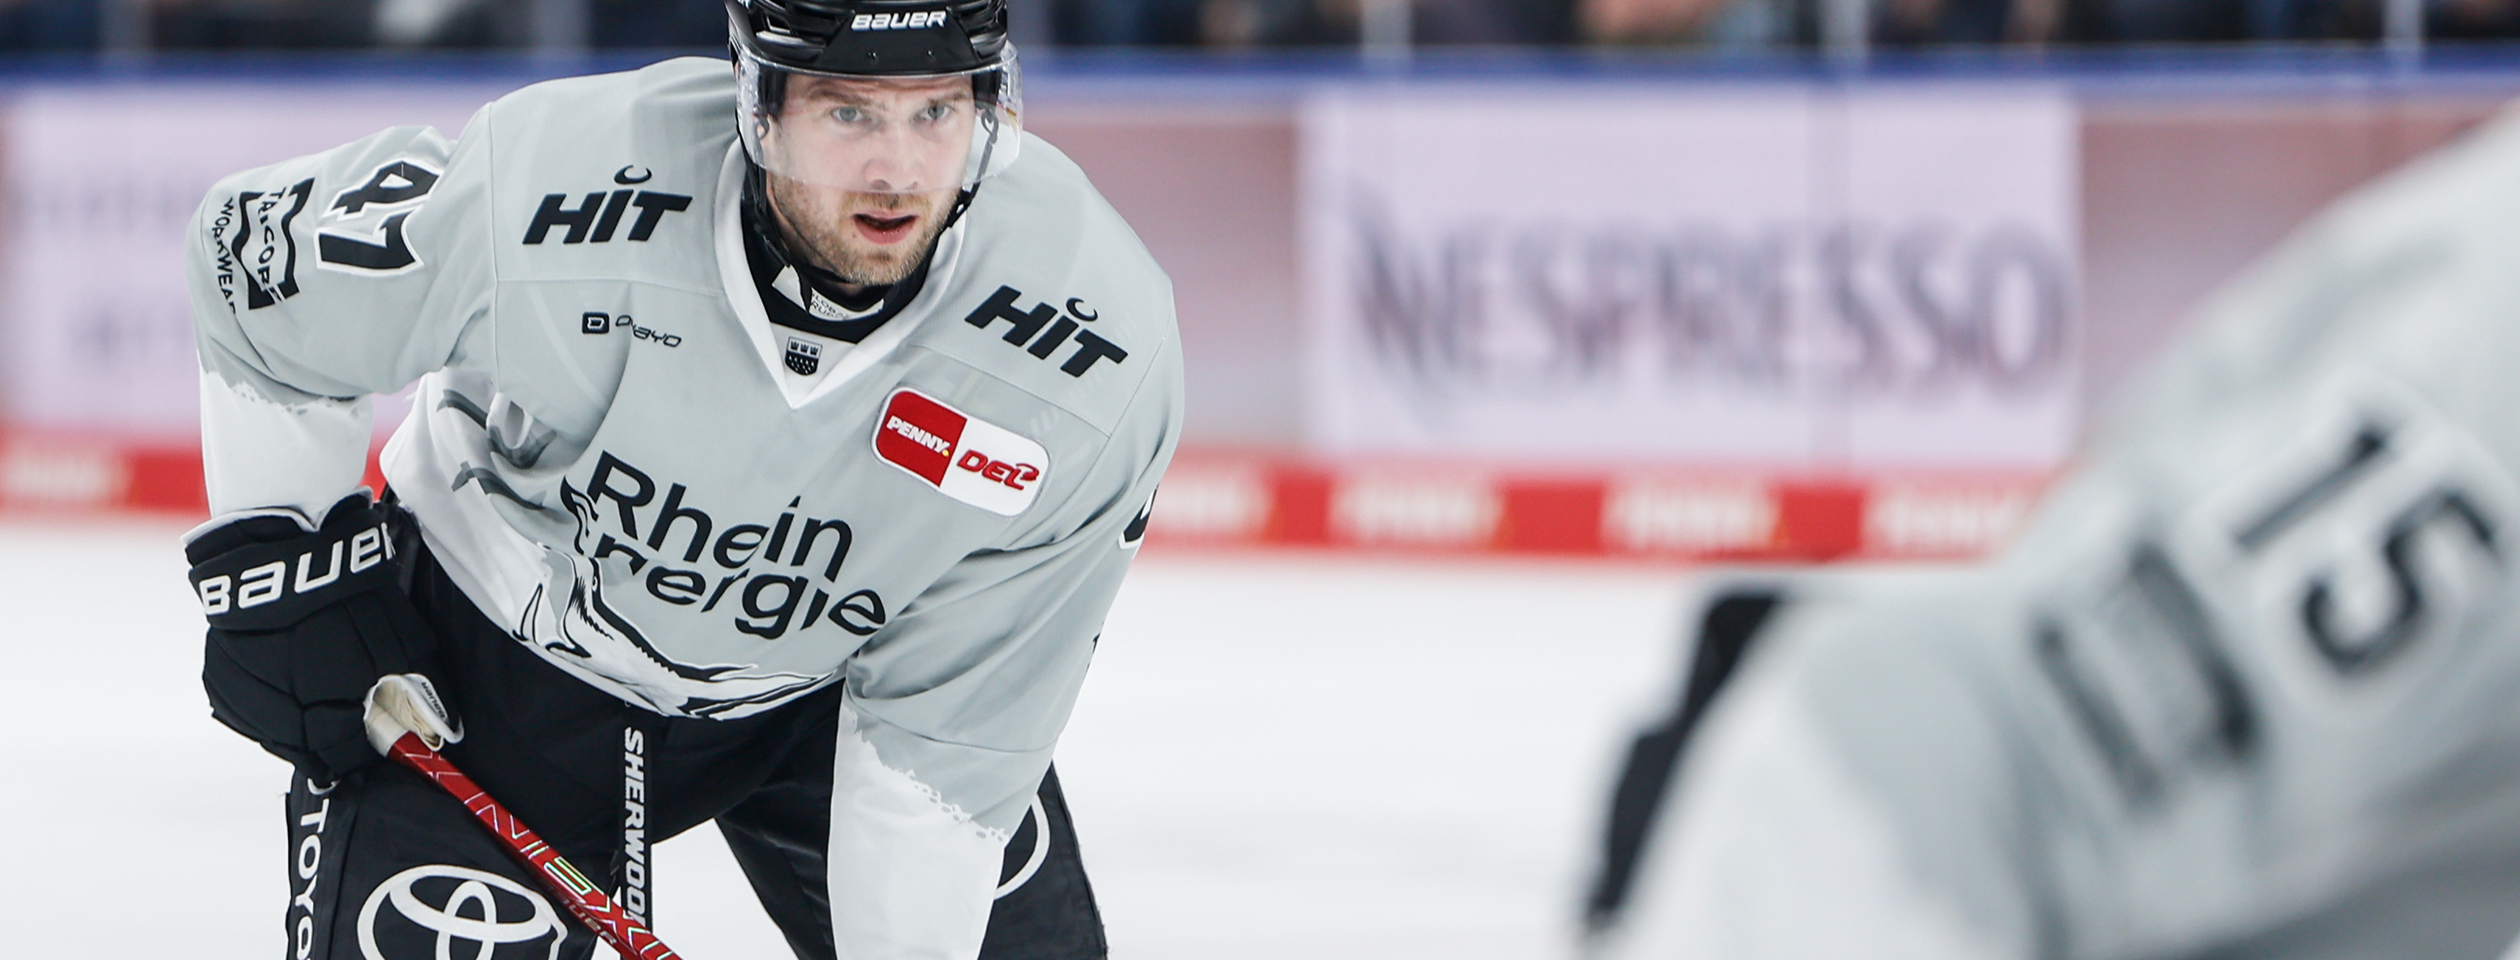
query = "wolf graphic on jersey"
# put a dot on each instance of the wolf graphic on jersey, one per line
(769, 605)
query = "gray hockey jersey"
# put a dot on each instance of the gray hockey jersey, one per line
(2245, 688)
(616, 455)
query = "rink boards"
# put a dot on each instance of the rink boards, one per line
(1222, 501)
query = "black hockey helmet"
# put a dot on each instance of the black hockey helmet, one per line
(875, 94)
(873, 37)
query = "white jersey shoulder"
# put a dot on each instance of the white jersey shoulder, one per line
(610, 177)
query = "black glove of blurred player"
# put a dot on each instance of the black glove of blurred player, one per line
(301, 626)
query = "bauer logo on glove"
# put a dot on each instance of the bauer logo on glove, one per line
(269, 581)
(302, 624)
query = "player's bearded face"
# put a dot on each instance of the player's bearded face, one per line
(865, 171)
(867, 238)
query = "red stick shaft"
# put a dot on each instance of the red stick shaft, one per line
(628, 937)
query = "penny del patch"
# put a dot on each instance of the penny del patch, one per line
(962, 456)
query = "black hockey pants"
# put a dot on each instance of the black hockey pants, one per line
(384, 866)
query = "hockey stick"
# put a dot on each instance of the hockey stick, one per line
(389, 714)
(628, 937)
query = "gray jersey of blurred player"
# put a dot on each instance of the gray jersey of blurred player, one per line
(616, 456)
(2248, 686)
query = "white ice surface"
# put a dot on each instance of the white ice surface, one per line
(1274, 757)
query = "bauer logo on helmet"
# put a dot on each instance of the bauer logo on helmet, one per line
(898, 21)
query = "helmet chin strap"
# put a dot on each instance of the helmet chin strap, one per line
(762, 220)
(767, 241)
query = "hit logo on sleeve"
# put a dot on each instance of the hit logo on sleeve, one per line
(970, 459)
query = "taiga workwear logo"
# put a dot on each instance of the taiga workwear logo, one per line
(420, 913)
(256, 245)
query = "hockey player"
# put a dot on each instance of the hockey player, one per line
(2245, 688)
(783, 430)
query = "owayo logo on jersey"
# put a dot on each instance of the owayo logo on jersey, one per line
(969, 459)
(421, 913)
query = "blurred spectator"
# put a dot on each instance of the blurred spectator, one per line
(659, 24)
(1719, 24)
(699, 25)
(453, 23)
(694, 25)
(1756, 23)
(1490, 22)
(2472, 19)
(259, 24)
(1908, 22)
(2161, 21)
(1130, 23)
(29, 26)
(1656, 21)
(2291, 20)
(1241, 23)
(82, 25)
(1914, 22)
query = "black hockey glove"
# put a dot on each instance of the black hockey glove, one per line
(301, 626)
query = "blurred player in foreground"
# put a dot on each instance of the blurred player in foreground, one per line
(2249, 685)
(783, 430)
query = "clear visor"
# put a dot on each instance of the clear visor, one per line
(918, 134)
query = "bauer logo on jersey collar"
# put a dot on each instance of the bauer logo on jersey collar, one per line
(967, 458)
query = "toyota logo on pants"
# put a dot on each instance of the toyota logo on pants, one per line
(484, 910)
